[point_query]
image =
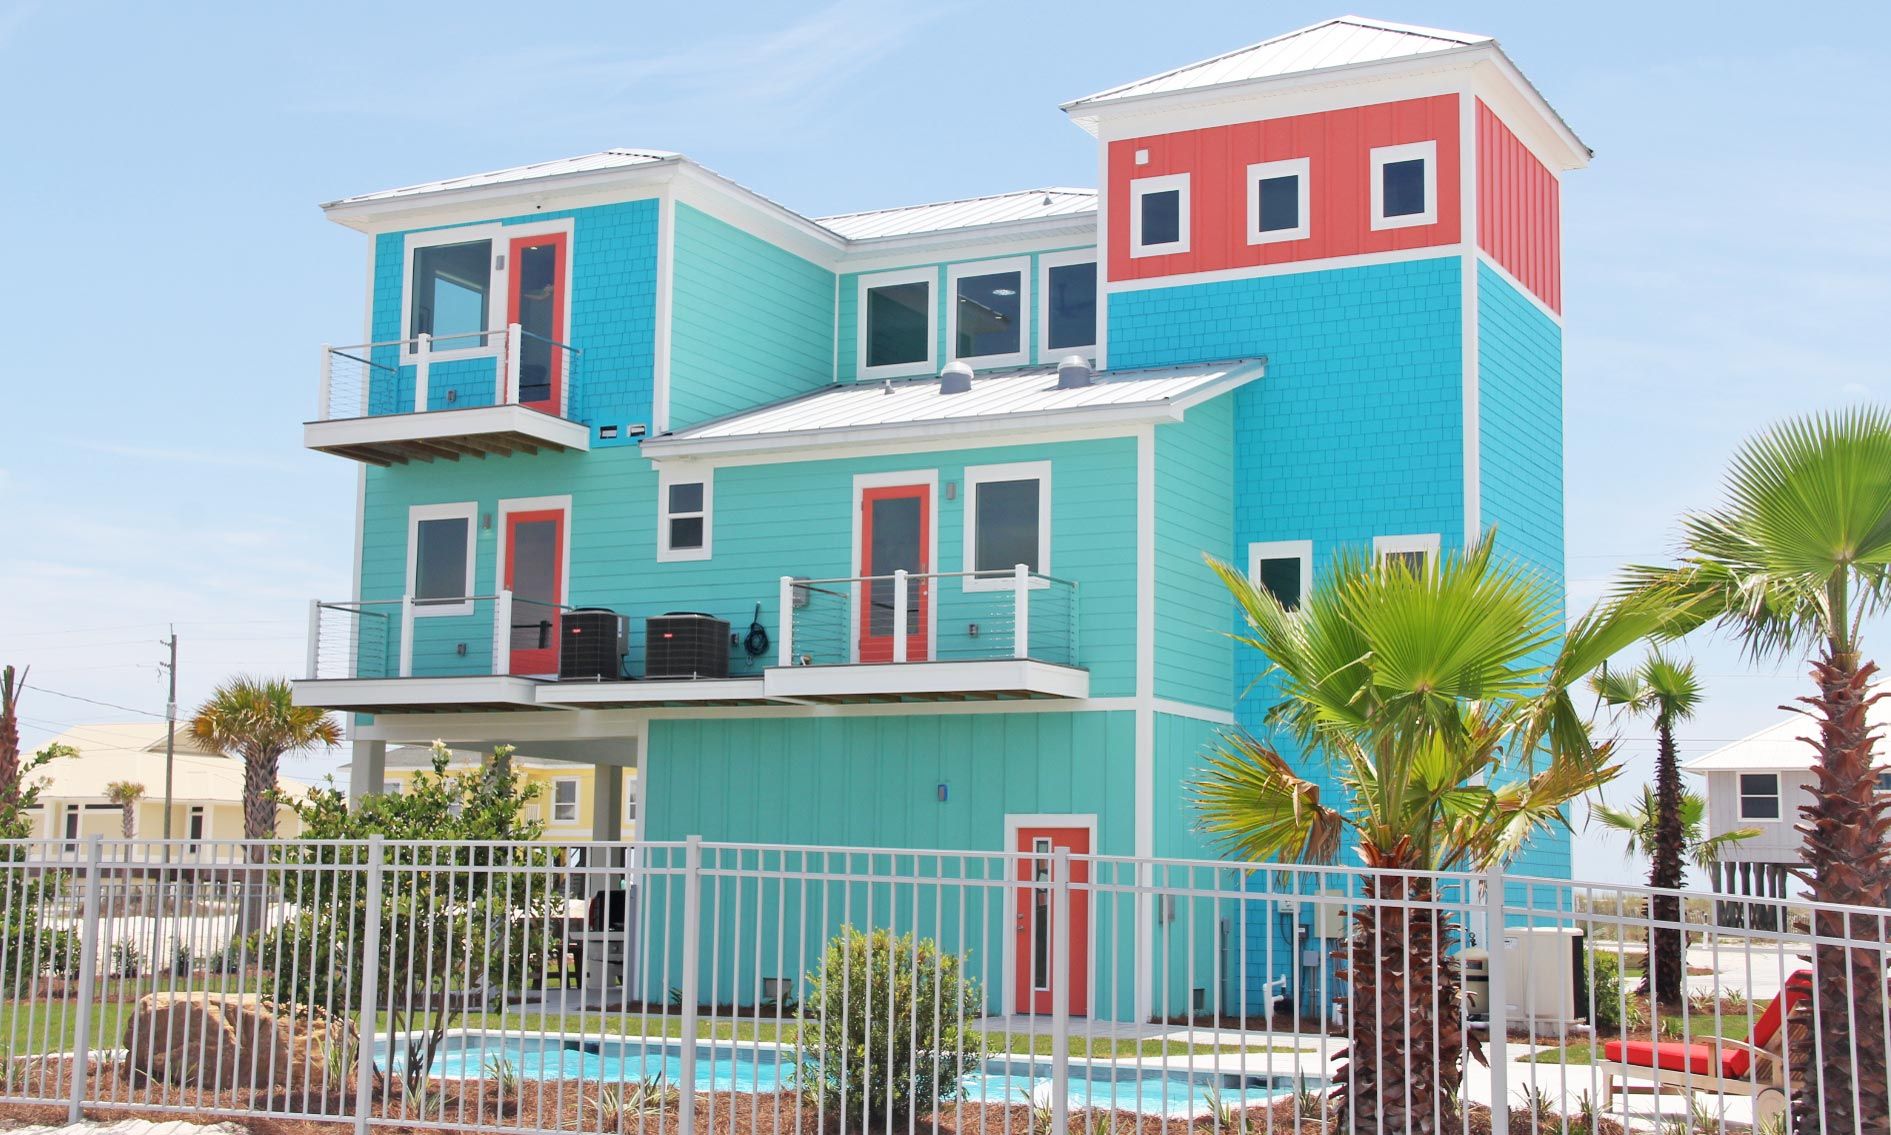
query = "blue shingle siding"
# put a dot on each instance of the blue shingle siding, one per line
(1194, 514)
(750, 323)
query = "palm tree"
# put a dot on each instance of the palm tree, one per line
(1794, 562)
(1441, 700)
(257, 719)
(1637, 822)
(11, 682)
(126, 795)
(1669, 691)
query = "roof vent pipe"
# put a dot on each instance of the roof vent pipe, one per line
(956, 378)
(1073, 372)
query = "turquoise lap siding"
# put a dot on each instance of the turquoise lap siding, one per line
(612, 295)
(1195, 515)
(750, 323)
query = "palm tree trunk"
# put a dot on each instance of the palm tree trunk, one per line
(1667, 953)
(1842, 1088)
(259, 826)
(1405, 1027)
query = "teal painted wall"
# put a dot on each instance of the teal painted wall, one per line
(1195, 515)
(848, 338)
(750, 323)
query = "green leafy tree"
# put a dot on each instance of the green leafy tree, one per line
(22, 894)
(891, 1042)
(1795, 562)
(1667, 691)
(1440, 699)
(468, 902)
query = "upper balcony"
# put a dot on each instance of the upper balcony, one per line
(492, 393)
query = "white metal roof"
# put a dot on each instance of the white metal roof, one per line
(1780, 746)
(584, 163)
(134, 751)
(1022, 205)
(1332, 43)
(1006, 402)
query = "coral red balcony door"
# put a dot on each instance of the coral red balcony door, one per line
(895, 535)
(537, 305)
(535, 574)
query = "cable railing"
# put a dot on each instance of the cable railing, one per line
(960, 616)
(507, 366)
(451, 636)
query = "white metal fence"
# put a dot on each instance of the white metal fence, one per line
(700, 986)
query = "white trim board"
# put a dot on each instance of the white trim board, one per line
(1286, 268)
(967, 269)
(928, 275)
(456, 510)
(673, 474)
(1380, 157)
(1300, 169)
(1301, 550)
(1067, 258)
(1163, 183)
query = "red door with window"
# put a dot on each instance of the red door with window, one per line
(537, 305)
(1036, 934)
(535, 574)
(895, 528)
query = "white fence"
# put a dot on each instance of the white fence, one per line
(710, 986)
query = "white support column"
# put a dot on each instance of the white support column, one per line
(313, 661)
(328, 375)
(512, 365)
(367, 771)
(502, 633)
(607, 803)
(1021, 611)
(423, 362)
(899, 615)
(784, 634)
(407, 636)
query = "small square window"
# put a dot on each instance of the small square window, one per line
(1404, 185)
(683, 520)
(1070, 306)
(896, 323)
(564, 800)
(990, 302)
(1283, 569)
(1159, 215)
(1279, 201)
(1759, 796)
(1415, 554)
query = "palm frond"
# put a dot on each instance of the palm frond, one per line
(1252, 803)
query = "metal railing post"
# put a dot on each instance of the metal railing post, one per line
(423, 364)
(370, 957)
(315, 639)
(785, 632)
(328, 378)
(1497, 1046)
(1021, 611)
(88, 980)
(692, 978)
(1060, 991)
(899, 614)
(502, 632)
(407, 636)
(512, 364)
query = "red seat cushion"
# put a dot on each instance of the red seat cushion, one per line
(1672, 1055)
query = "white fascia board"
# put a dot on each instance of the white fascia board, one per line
(920, 678)
(484, 202)
(973, 242)
(705, 690)
(705, 190)
(364, 693)
(1497, 82)
(477, 420)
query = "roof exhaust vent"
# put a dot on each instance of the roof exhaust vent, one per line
(956, 378)
(1073, 372)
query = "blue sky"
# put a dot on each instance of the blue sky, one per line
(1728, 255)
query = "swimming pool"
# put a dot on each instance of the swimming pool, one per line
(762, 1068)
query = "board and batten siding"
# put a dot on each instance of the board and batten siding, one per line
(1195, 516)
(1779, 840)
(750, 323)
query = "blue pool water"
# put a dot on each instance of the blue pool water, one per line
(1122, 1087)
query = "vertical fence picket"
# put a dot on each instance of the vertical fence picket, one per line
(369, 960)
(692, 943)
(1498, 1048)
(88, 979)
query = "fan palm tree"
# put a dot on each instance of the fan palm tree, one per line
(1637, 822)
(257, 720)
(1441, 699)
(126, 795)
(1668, 691)
(1794, 563)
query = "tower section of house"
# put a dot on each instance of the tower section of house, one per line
(887, 529)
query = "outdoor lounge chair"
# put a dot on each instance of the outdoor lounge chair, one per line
(1721, 1065)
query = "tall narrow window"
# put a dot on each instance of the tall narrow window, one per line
(683, 527)
(990, 302)
(564, 800)
(440, 558)
(1405, 185)
(1158, 215)
(896, 323)
(451, 294)
(1069, 282)
(1279, 197)
(1007, 522)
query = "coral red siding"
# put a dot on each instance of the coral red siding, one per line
(1518, 210)
(1338, 144)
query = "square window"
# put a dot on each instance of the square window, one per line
(1070, 306)
(1404, 185)
(1759, 796)
(1280, 577)
(899, 324)
(1158, 215)
(1415, 554)
(991, 300)
(1283, 569)
(683, 520)
(564, 801)
(1279, 201)
(1007, 522)
(686, 496)
(450, 294)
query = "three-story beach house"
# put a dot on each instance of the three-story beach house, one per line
(887, 529)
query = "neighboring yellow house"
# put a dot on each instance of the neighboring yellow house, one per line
(206, 788)
(566, 789)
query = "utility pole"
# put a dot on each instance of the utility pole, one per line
(170, 734)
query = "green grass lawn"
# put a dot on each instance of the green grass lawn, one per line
(1701, 1027)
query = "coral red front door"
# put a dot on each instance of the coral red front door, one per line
(537, 305)
(1036, 930)
(895, 535)
(535, 574)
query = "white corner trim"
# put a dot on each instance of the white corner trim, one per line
(693, 474)
(974, 268)
(1068, 258)
(928, 275)
(1173, 708)
(977, 476)
(1142, 187)
(1145, 716)
(1301, 550)
(1301, 170)
(665, 312)
(1385, 155)
(467, 511)
(1472, 397)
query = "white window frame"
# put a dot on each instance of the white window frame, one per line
(1385, 155)
(706, 477)
(498, 286)
(577, 798)
(1426, 542)
(459, 510)
(1300, 168)
(956, 272)
(976, 475)
(1301, 550)
(1046, 262)
(390, 788)
(1143, 186)
(929, 276)
(1777, 796)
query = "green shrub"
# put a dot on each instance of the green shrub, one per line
(1614, 1010)
(849, 1055)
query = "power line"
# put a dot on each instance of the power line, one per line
(91, 701)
